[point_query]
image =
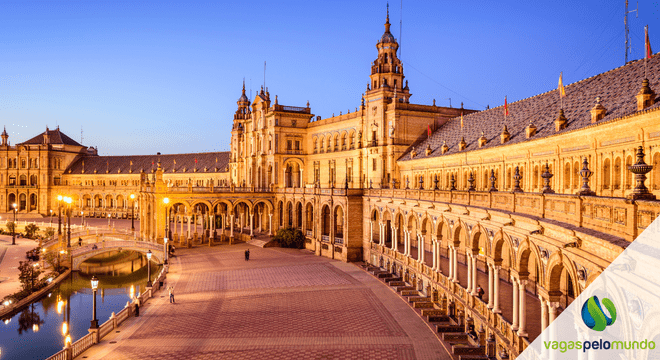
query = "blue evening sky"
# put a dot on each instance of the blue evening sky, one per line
(143, 77)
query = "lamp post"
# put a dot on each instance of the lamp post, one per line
(68, 201)
(13, 228)
(167, 220)
(132, 210)
(51, 217)
(59, 215)
(95, 285)
(108, 220)
(82, 218)
(149, 268)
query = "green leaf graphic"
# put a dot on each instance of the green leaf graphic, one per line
(597, 314)
(609, 305)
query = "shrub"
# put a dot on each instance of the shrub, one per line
(11, 226)
(31, 231)
(290, 238)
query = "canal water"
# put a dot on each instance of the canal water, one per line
(39, 330)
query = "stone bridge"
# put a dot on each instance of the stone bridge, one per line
(80, 254)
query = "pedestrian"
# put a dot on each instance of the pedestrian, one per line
(480, 291)
(79, 241)
(247, 254)
(171, 290)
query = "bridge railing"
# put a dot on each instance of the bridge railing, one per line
(89, 340)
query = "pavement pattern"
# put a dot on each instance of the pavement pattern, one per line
(281, 304)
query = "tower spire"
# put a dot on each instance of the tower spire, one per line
(387, 19)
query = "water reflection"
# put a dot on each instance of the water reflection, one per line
(41, 329)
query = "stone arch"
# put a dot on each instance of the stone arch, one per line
(606, 177)
(325, 220)
(502, 250)
(527, 251)
(562, 278)
(339, 216)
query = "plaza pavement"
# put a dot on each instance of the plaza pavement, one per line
(282, 304)
(10, 255)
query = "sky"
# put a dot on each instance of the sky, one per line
(164, 76)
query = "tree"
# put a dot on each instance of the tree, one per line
(31, 230)
(29, 276)
(290, 238)
(51, 258)
(11, 226)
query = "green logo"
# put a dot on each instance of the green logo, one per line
(593, 315)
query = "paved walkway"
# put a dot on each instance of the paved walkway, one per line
(282, 304)
(10, 255)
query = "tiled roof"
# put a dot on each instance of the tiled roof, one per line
(617, 89)
(56, 137)
(124, 164)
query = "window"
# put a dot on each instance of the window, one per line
(56, 180)
(23, 164)
(374, 165)
(297, 145)
(12, 180)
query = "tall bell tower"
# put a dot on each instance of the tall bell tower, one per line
(387, 69)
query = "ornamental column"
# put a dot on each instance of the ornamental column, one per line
(395, 239)
(516, 295)
(468, 262)
(189, 221)
(252, 224)
(270, 224)
(371, 231)
(496, 289)
(474, 274)
(420, 248)
(455, 279)
(408, 244)
(434, 243)
(490, 285)
(450, 253)
(231, 225)
(522, 331)
(544, 313)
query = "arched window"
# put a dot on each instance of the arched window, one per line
(607, 182)
(567, 176)
(628, 173)
(617, 174)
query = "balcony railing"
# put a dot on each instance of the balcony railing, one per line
(325, 238)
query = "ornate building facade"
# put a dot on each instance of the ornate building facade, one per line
(532, 204)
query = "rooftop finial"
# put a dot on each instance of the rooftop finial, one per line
(387, 20)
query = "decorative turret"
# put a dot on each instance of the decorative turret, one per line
(561, 121)
(598, 111)
(444, 148)
(482, 140)
(505, 136)
(4, 136)
(47, 136)
(645, 96)
(530, 130)
(243, 103)
(462, 144)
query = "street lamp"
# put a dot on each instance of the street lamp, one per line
(132, 210)
(82, 218)
(13, 228)
(59, 214)
(95, 285)
(108, 220)
(167, 220)
(51, 217)
(149, 268)
(68, 201)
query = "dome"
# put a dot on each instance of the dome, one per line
(387, 37)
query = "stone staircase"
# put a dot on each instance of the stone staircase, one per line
(449, 330)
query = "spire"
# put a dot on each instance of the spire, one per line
(387, 19)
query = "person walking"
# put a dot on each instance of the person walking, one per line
(480, 292)
(247, 254)
(171, 290)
